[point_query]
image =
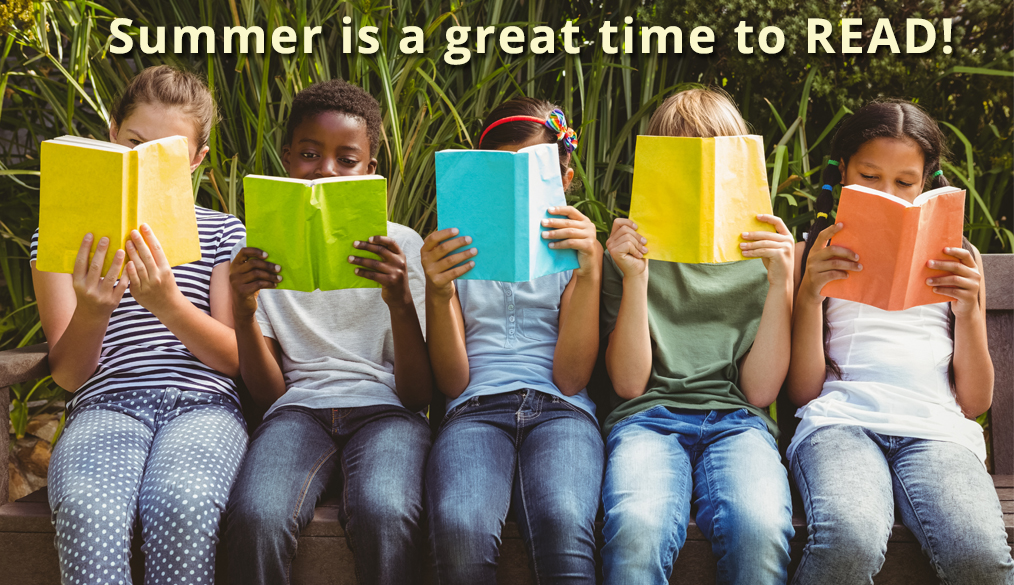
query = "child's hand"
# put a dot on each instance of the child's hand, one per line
(152, 282)
(577, 232)
(627, 248)
(963, 282)
(440, 265)
(775, 249)
(824, 264)
(391, 272)
(248, 274)
(96, 296)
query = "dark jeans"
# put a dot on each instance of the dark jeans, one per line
(534, 448)
(376, 454)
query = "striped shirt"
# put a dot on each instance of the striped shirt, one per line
(138, 351)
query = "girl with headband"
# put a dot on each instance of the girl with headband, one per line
(513, 360)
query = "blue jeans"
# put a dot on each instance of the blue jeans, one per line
(534, 448)
(167, 455)
(727, 464)
(376, 454)
(851, 479)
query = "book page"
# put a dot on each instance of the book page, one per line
(939, 224)
(90, 143)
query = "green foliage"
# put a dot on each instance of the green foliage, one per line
(57, 77)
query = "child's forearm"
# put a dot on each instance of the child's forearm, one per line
(257, 364)
(764, 368)
(973, 368)
(75, 355)
(806, 365)
(210, 340)
(445, 339)
(628, 356)
(413, 378)
(578, 344)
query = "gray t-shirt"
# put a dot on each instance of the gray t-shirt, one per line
(337, 346)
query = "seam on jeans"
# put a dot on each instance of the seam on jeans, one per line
(309, 479)
(930, 552)
(804, 492)
(715, 524)
(524, 510)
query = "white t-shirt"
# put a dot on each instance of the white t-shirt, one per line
(337, 346)
(894, 381)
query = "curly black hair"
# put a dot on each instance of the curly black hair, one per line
(337, 95)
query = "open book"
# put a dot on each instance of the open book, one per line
(108, 190)
(500, 198)
(693, 197)
(308, 227)
(894, 240)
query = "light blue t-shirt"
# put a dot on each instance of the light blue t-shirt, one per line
(510, 337)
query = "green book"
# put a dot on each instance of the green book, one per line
(308, 227)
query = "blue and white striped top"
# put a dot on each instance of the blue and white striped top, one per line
(138, 351)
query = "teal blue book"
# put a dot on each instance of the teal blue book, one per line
(500, 199)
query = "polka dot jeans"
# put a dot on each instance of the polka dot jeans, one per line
(170, 456)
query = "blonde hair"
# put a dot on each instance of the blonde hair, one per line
(172, 88)
(698, 113)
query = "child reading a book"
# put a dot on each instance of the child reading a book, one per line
(888, 398)
(342, 374)
(155, 413)
(696, 353)
(513, 359)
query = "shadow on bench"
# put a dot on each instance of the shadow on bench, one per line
(29, 557)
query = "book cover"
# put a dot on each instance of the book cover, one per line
(693, 197)
(108, 190)
(500, 198)
(894, 239)
(308, 227)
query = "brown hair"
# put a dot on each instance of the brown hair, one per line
(698, 113)
(171, 88)
(513, 133)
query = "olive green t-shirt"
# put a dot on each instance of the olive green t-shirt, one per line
(702, 319)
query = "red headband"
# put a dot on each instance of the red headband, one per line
(538, 121)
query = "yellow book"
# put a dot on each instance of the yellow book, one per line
(693, 197)
(108, 190)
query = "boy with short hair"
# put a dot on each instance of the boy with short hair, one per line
(341, 373)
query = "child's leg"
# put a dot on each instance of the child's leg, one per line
(93, 482)
(291, 460)
(468, 488)
(381, 508)
(556, 492)
(198, 447)
(845, 483)
(946, 498)
(646, 496)
(744, 508)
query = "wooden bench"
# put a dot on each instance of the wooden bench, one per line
(28, 556)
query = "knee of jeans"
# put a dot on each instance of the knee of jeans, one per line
(388, 512)
(988, 561)
(84, 507)
(853, 542)
(760, 528)
(452, 522)
(640, 532)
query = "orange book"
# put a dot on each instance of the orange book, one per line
(894, 240)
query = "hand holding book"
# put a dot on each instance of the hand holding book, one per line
(97, 296)
(152, 283)
(391, 271)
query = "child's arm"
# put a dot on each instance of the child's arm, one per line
(628, 355)
(152, 284)
(973, 369)
(445, 326)
(413, 378)
(260, 361)
(763, 368)
(577, 345)
(75, 310)
(824, 264)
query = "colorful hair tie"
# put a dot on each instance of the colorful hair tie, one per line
(832, 162)
(556, 122)
(936, 174)
(821, 214)
(827, 187)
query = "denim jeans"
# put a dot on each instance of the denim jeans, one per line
(167, 455)
(375, 454)
(852, 479)
(661, 460)
(533, 448)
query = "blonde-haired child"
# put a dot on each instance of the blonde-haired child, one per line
(155, 427)
(696, 353)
